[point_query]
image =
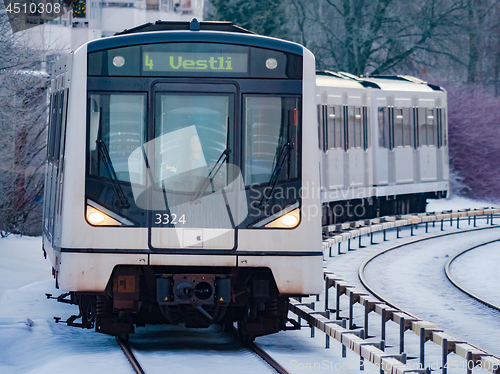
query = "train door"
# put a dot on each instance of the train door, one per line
(332, 142)
(194, 190)
(403, 141)
(428, 144)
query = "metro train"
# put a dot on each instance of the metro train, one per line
(183, 179)
(384, 145)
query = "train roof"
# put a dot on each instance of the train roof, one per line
(385, 83)
(193, 25)
(194, 31)
(335, 80)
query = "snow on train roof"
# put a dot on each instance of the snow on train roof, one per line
(384, 83)
(394, 84)
(331, 81)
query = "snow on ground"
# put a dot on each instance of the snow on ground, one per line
(478, 271)
(455, 202)
(412, 277)
(47, 347)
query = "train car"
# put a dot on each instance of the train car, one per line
(178, 157)
(383, 145)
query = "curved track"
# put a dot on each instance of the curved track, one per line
(432, 297)
(457, 284)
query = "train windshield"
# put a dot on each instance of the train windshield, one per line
(192, 134)
(190, 153)
(271, 139)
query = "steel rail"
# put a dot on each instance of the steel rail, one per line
(461, 288)
(262, 354)
(381, 298)
(130, 356)
(267, 358)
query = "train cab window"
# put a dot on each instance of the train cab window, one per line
(383, 127)
(271, 138)
(117, 126)
(192, 134)
(427, 126)
(402, 128)
(335, 128)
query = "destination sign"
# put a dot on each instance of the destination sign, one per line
(195, 62)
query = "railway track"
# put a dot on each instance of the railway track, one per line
(354, 339)
(392, 304)
(130, 355)
(361, 272)
(461, 287)
(268, 359)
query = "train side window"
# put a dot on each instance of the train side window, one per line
(383, 127)
(431, 127)
(352, 134)
(57, 131)
(444, 127)
(320, 128)
(422, 126)
(358, 128)
(50, 135)
(407, 128)
(335, 136)
(427, 126)
(398, 128)
(366, 136)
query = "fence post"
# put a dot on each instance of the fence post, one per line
(444, 350)
(422, 347)
(327, 343)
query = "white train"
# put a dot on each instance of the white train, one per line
(177, 153)
(183, 178)
(384, 145)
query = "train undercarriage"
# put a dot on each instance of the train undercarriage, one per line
(197, 297)
(366, 208)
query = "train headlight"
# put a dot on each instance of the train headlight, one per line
(98, 215)
(289, 220)
(96, 218)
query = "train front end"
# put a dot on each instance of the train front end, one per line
(191, 181)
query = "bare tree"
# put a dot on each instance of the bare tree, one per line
(23, 114)
(264, 17)
(375, 37)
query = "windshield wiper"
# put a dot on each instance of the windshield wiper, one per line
(209, 179)
(103, 152)
(276, 172)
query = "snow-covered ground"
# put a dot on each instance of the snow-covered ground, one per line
(46, 347)
(478, 271)
(455, 202)
(412, 277)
